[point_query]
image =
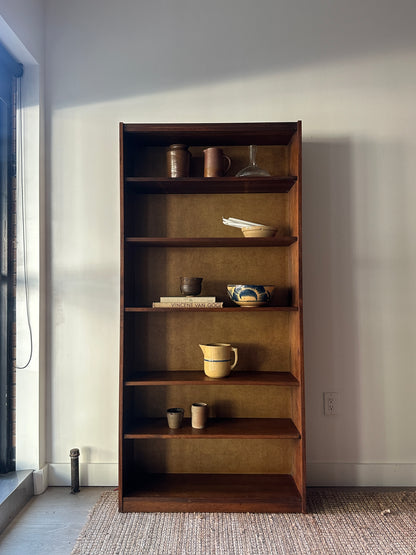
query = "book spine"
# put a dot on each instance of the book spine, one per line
(188, 300)
(187, 305)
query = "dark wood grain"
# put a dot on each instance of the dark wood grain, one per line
(211, 134)
(211, 241)
(284, 379)
(121, 458)
(211, 185)
(217, 428)
(219, 310)
(296, 327)
(214, 493)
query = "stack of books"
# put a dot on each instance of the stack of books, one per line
(187, 302)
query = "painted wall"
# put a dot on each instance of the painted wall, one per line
(347, 70)
(26, 19)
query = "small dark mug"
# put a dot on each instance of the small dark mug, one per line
(190, 286)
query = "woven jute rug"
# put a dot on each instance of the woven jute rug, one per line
(340, 520)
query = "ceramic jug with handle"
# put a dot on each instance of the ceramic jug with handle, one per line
(216, 163)
(217, 359)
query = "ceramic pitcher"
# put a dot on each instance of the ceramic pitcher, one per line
(217, 359)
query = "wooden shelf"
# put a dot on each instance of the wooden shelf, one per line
(224, 309)
(211, 241)
(210, 185)
(213, 493)
(285, 379)
(217, 428)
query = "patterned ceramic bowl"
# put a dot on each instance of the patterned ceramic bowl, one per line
(250, 295)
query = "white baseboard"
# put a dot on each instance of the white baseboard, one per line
(40, 480)
(361, 474)
(90, 474)
(318, 474)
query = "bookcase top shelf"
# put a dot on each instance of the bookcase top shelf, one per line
(211, 134)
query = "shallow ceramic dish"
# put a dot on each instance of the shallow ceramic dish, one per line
(259, 231)
(250, 295)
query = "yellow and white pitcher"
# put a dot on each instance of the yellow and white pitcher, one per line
(217, 359)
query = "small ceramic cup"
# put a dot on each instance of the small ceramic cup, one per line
(178, 161)
(190, 286)
(216, 163)
(175, 417)
(199, 415)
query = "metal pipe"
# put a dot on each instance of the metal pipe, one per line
(74, 454)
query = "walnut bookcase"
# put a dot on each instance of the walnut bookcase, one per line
(251, 455)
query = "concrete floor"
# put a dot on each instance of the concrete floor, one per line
(50, 523)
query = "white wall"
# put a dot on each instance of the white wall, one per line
(347, 70)
(26, 19)
(22, 32)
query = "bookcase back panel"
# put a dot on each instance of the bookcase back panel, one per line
(223, 402)
(200, 215)
(215, 456)
(156, 272)
(170, 341)
(150, 161)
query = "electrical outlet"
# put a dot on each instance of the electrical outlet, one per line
(331, 402)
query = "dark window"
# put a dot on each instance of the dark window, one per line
(9, 72)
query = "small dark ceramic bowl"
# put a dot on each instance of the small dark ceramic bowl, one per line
(191, 286)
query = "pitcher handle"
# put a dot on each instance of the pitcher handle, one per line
(235, 351)
(228, 166)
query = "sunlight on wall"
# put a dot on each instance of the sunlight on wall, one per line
(358, 268)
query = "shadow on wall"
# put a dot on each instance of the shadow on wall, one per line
(101, 50)
(330, 300)
(359, 274)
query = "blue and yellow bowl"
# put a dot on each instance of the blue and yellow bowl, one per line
(250, 295)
